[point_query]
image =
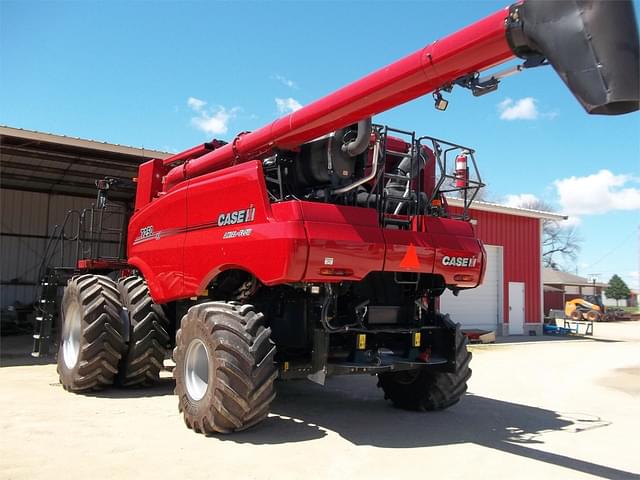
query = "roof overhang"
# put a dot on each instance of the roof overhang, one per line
(49, 163)
(497, 208)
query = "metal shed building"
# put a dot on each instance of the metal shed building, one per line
(42, 176)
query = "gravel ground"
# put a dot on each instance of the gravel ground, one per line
(535, 409)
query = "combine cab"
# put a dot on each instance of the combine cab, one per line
(319, 245)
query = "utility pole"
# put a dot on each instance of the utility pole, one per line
(594, 278)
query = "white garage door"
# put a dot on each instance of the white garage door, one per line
(479, 307)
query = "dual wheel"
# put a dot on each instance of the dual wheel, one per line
(112, 333)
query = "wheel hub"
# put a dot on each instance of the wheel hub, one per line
(196, 370)
(71, 333)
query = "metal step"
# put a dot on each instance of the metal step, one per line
(397, 221)
(400, 198)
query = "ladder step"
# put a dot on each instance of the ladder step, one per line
(402, 199)
(396, 221)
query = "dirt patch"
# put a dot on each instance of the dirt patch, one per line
(624, 379)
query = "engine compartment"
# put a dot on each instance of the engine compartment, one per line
(394, 171)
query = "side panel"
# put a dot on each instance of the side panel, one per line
(342, 240)
(156, 239)
(231, 225)
(149, 182)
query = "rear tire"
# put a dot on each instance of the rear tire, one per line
(576, 315)
(424, 390)
(148, 337)
(224, 367)
(592, 316)
(92, 341)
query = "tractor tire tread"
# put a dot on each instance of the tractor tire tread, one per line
(242, 356)
(431, 390)
(148, 338)
(102, 342)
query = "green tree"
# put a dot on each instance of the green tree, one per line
(617, 289)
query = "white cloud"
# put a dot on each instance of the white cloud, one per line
(520, 200)
(571, 221)
(212, 121)
(523, 109)
(599, 193)
(286, 105)
(285, 81)
(195, 103)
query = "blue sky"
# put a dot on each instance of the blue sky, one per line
(169, 75)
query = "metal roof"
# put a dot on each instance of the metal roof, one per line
(556, 277)
(49, 163)
(497, 208)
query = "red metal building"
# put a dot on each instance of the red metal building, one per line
(510, 300)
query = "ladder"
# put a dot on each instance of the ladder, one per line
(46, 312)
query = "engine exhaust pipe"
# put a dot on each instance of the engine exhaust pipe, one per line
(591, 44)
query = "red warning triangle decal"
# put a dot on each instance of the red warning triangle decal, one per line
(410, 259)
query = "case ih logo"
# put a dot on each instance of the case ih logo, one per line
(239, 216)
(459, 261)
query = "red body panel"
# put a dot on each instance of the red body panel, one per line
(180, 245)
(156, 243)
(149, 181)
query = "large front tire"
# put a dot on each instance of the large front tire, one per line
(148, 337)
(224, 367)
(425, 390)
(92, 340)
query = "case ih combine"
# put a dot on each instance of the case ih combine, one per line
(319, 244)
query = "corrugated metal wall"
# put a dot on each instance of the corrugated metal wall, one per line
(520, 237)
(27, 218)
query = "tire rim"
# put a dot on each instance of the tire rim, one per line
(196, 370)
(71, 333)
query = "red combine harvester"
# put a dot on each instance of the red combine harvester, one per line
(319, 244)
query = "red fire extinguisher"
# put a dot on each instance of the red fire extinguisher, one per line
(462, 170)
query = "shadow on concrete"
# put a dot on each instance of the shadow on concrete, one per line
(15, 351)
(354, 409)
(164, 387)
